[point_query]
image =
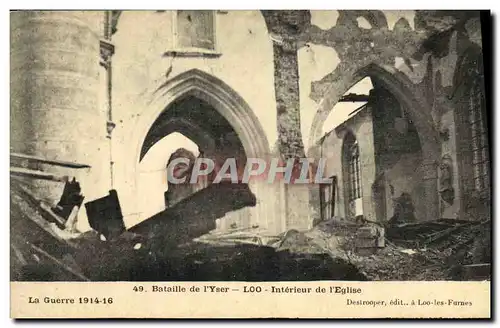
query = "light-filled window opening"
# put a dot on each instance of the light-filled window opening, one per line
(353, 170)
(478, 145)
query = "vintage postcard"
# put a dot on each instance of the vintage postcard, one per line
(250, 164)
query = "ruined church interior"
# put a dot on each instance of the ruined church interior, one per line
(396, 103)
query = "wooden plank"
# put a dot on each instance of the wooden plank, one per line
(23, 172)
(28, 211)
(41, 207)
(354, 97)
(48, 211)
(58, 262)
(48, 161)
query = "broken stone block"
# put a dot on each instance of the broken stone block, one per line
(369, 239)
(105, 215)
(70, 198)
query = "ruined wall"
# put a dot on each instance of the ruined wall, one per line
(405, 176)
(414, 54)
(398, 156)
(331, 150)
(295, 69)
(144, 61)
(361, 126)
(451, 83)
(397, 170)
(143, 41)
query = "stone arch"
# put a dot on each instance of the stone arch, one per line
(189, 129)
(418, 110)
(216, 93)
(401, 88)
(219, 95)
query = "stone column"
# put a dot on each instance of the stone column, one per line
(430, 189)
(285, 28)
(106, 51)
(367, 162)
(54, 91)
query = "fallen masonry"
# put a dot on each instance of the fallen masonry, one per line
(180, 244)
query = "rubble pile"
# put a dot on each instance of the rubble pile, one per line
(178, 244)
(182, 244)
(441, 249)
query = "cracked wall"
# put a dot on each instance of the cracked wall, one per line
(312, 58)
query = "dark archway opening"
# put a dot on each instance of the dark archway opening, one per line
(205, 126)
(217, 141)
(381, 153)
(197, 120)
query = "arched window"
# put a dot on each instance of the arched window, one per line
(472, 134)
(479, 141)
(351, 175)
(471, 116)
(354, 174)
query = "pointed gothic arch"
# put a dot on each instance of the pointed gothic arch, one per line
(224, 100)
(402, 89)
(220, 96)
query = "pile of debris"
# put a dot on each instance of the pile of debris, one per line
(432, 250)
(182, 244)
(177, 244)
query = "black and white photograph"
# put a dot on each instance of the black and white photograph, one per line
(250, 145)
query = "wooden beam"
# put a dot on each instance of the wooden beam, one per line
(353, 97)
(26, 203)
(357, 110)
(59, 263)
(23, 172)
(48, 161)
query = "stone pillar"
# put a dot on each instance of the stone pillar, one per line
(430, 189)
(367, 164)
(106, 51)
(285, 28)
(55, 95)
(287, 99)
(298, 211)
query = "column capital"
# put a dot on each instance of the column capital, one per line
(110, 126)
(106, 51)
